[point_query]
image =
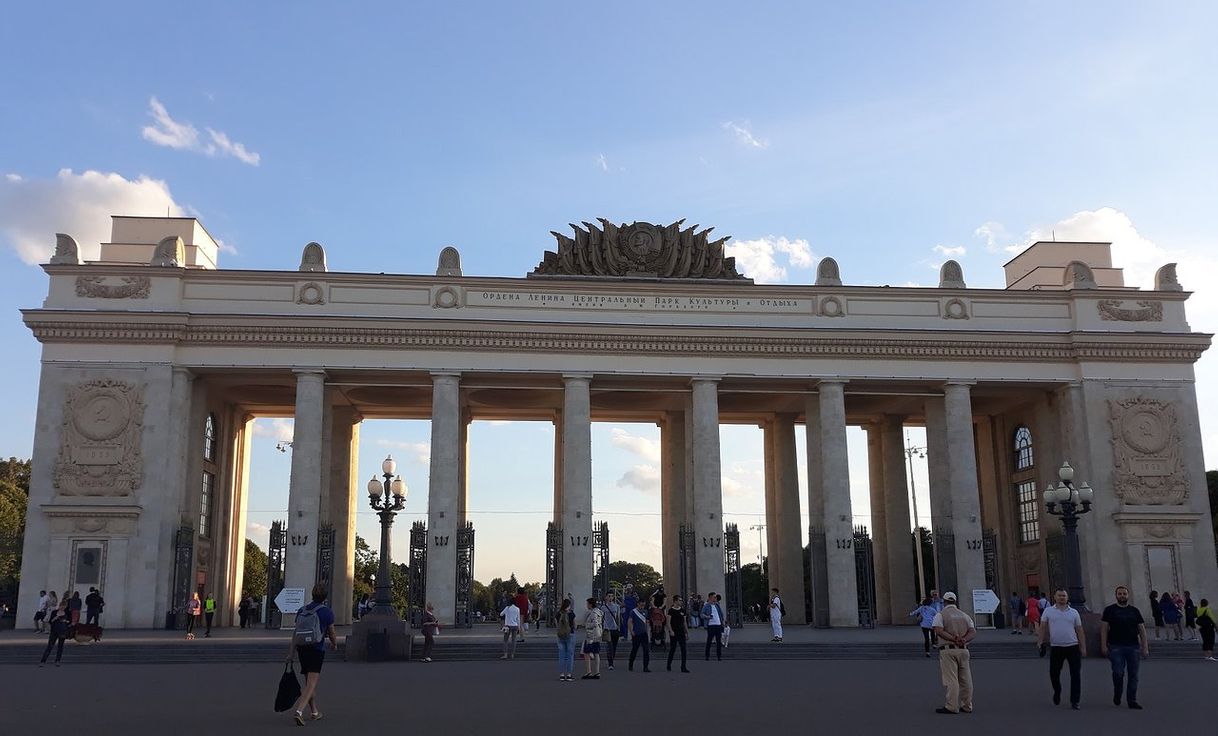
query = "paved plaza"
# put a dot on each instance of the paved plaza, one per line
(744, 697)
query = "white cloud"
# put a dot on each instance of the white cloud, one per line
(759, 259)
(994, 235)
(950, 252)
(645, 478)
(260, 534)
(602, 162)
(419, 452)
(33, 210)
(165, 131)
(743, 480)
(745, 135)
(643, 447)
(279, 430)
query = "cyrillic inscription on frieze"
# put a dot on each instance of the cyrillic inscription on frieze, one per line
(1146, 452)
(590, 301)
(99, 450)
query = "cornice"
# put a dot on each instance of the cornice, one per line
(1021, 347)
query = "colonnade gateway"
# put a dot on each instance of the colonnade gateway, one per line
(155, 363)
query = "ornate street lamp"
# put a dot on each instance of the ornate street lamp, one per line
(1070, 502)
(379, 493)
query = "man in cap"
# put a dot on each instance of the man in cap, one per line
(954, 630)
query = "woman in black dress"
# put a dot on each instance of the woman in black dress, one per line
(1156, 612)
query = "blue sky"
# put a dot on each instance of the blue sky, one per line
(889, 136)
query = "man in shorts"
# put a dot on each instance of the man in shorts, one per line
(312, 655)
(593, 626)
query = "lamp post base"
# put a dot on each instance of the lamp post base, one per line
(378, 638)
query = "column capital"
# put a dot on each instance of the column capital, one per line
(302, 372)
(180, 370)
(585, 377)
(831, 382)
(959, 382)
(445, 374)
(705, 379)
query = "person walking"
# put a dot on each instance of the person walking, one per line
(510, 615)
(1123, 642)
(522, 603)
(658, 619)
(430, 626)
(57, 625)
(695, 611)
(611, 615)
(678, 634)
(40, 613)
(94, 604)
(74, 606)
(925, 613)
(1190, 616)
(243, 610)
(594, 628)
(209, 612)
(1206, 623)
(1171, 616)
(936, 601)
(640, 628)
(193, 610)
(314, 625)
(1032, 613)
(954, 630)
(777, 611)
(565, 634)
(1156, 612)
(1062, 631)
(1016, 604)
(712, 614)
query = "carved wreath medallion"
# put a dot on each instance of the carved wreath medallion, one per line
(1148, 311)
(1146, 451)
(99, 451)
(131, 287)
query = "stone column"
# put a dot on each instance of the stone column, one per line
(819, 582)
(237, 441)
(902, 586)
(707, 488)
(839, 522)
(672, 496)
(940, 493)
(879, 522)
(966, 501)
(304, 492)
(346, 490)
(443, 492)
(773, 560)
(577, 487)
(789, 549)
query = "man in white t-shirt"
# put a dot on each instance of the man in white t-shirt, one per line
(1061, 628)
(775, 615)
(511, 629)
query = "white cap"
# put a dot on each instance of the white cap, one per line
(949, 596)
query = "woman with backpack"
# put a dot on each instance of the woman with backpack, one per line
(566, 642)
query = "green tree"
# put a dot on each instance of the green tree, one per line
(254, 580)
(366, 563)
(753, 587)
(645, 578)
(14, 498)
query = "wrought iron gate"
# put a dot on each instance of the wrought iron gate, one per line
(1055, 562)
(733, 576)
(989, 545)
(685, 553)
(184, 546)
(864, 570)
(600, 555)
(325, 558)
(553, 573)
(945, 561)
(275, 553)
(416, 588)
(818, 573)
(463, 616)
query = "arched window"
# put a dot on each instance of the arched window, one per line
(1023, 449)
(209, 438)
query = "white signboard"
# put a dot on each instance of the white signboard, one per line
(985, 602)
(290, 600)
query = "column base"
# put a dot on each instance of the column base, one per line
(376, 638)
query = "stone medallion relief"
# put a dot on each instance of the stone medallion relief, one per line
(99, 450)
(1146, 452)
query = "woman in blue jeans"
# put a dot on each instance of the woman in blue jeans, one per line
(566, 642)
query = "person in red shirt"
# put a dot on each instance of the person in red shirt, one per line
(522, 602)
(1033, 615)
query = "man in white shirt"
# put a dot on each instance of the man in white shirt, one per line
(511, 628)
(1061, 628)
(954, 630)
(775, 615)
(40, 613)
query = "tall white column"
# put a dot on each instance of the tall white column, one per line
(346, 489)
(819, 582)
(773, 560)
(940, 493)
(577, 487)
(304, 492)
(966, 499)
(672, 496)
(443, 502)
(707, 488)
(902, 590)
(789, 549)
(879, 522)
(839, 522)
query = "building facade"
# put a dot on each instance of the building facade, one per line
(155, 364)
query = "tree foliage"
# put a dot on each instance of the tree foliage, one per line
(14, 498)
(645, 578)
(254, 579)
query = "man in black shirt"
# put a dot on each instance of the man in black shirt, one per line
(1122, 640)
(677, 633)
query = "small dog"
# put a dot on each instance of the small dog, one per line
(85, 633)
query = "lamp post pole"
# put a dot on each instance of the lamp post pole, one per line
(910, 451)
(760, 546)
(1069, 503)
(387, 498)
